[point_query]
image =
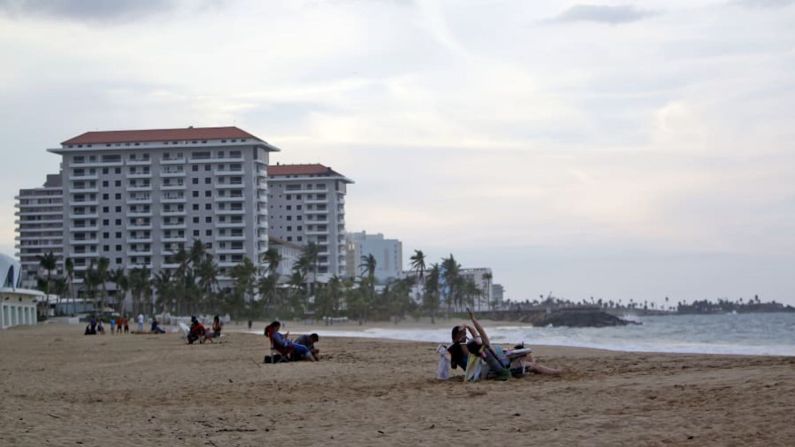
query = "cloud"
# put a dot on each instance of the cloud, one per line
(612, 15)
(759, 4)
(85, 10)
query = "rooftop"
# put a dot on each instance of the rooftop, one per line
(182, 134)
(312, 169)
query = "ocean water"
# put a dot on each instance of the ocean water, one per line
(746, 334)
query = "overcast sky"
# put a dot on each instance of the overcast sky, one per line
(607, 149)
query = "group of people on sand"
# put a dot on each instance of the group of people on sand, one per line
(302, 348)
(469, 353)
(197, 331)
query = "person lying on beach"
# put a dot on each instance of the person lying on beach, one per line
(309, 341)
(285, 346)
(480, 346)
(197, 332)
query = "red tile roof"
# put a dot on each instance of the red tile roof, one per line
(183, 134)
(304, 169)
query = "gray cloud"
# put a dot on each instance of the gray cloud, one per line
(764, 3)
(613, 15)
(85, 10)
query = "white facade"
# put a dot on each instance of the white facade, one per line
(17, 306)
(136, 197)
(39, 227)
(482, 277)
(306, 204)
(290, 253)
(388, 254)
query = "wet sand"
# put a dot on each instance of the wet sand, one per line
(62, 388)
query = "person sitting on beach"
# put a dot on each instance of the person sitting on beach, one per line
(197, 331)
(217, 326)
(480, 346)
(309, 341)
(155, 328)
(287, 348)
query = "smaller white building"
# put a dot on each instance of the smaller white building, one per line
(17, 306)
(289, 252)
(388, 254)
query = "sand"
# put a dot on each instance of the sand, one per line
(62, 388)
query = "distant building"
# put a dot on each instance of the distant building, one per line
(289, 253)
(388, 254)
(497, 294)
(39, 228)
(483, 280)
(17, 305)
(137, 196)
(306, 204)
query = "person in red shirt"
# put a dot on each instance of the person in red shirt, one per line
(197, 332)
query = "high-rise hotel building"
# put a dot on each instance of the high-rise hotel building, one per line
(306, 204)
(39, 227)
(137, 196)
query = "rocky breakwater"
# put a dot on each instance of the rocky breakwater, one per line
(581, 318)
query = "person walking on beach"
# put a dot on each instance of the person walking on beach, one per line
(112, 325)
(140, 323)
(126, 325)
(119, 324)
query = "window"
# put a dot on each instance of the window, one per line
(118, 196)
(118, 209)
(117, 183)
(299, 228)
(105, 222)
(104, 183)
(195, 181)
(106, 248)
(300, 238)
(196, 219)
(208, 193)
(195, 207)
(289, 217)
(196, 233)
(208, 232)
(118, 248)
(195, 168)
(208, 219)
(105, 209)
(117, 170)
(118, 235)
(105, 170)
(105, 235)
(118, 221)
(195, 193)
(118, 261)
(208, 206)
(106, 196)
(288, 207)
(207, 180)
(289, 228)
(207, 168)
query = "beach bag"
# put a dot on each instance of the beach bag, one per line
(443, 370)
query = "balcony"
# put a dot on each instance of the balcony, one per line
(92, 202)
(172, 187)
(139, 253)
(316, 232)
(172, 161)
(84, 190)
(139, 227)
(133, 188)
(139, 214)
(230, 238)
(239, 212)
(146, 240)
(172, 199)
(146, 162)
(173, 226)
(83, 228)
(230, 251)
(171, 174)
(237, 172)
(139, 200)
(218, 185)
(230, 199)
(173, 239)
(230, 224)
(91, 254)
(173, 213)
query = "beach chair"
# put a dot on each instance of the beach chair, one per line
(278, 354)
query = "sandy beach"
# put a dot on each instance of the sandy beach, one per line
(62, 388)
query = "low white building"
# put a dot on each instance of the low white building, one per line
(17, 306)
(482, 277)
(388, 254)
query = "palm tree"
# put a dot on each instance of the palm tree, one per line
(487, 277)
(69, 268)
(451, 277)
(48, 262)
(122, 283)
(244, 274)
(272, 258)
(368, 267)
(430, 296)
(103, 266)
(207, 274)
(418, 264)
(162, 283)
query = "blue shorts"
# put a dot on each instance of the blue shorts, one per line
(300, 350)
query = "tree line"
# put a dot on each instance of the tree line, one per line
(260, 291)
